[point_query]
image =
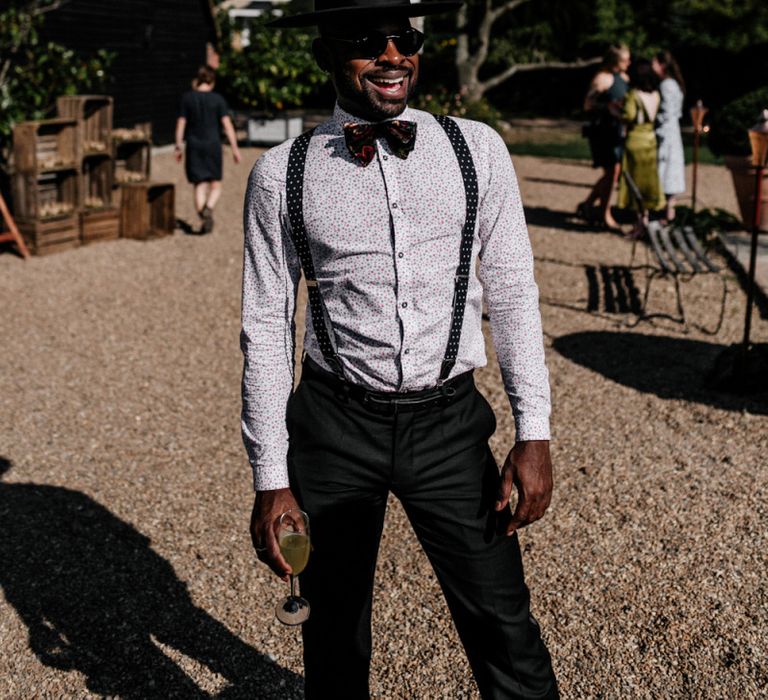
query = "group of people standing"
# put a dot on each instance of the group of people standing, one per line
(634, 128)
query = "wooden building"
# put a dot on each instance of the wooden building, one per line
(157, 46)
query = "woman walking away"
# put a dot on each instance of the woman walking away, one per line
(639, 162)
(203, 112)
(671, 158)
(605, 132)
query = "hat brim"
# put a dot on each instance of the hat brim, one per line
(416, 9)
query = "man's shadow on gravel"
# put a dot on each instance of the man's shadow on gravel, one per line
(97, 599)
(671, 368)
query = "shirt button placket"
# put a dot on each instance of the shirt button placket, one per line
(400, 230)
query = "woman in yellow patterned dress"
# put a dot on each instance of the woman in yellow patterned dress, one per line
(639, 161)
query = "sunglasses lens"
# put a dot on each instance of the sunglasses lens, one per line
(375, 44)
(409, 42)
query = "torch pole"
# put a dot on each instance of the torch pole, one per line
(696, 140)
(753, 259)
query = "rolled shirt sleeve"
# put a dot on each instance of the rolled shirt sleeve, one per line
(270, 281)
(506, 271)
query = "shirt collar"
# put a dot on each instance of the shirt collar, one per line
(341, 117)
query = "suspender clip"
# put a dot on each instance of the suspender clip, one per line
(311, 283)
(334, 363)
(445, 369)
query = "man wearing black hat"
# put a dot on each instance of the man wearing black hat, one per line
(387, 210)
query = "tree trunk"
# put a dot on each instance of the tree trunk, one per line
(468, 64)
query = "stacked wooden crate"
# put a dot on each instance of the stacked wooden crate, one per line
(131, 150)
(76, 180)
(98, 213)
(45, 184)
(147, 209)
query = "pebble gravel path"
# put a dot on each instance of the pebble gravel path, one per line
(125, 564)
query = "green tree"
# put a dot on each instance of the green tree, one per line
(274, 71)
(489, 41)
(34, 73)
(496, 41)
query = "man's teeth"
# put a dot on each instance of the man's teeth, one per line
(389, 81)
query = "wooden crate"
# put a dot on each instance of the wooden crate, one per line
(147, 209)
(96, 180)
(94, 117)
(47, 195)
(45, 146)
(132, 153)
(99, 225)
(50, 235)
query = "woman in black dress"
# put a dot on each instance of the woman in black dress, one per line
(203, 112)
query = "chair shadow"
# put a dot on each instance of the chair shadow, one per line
(97, 599)
(611, 289)
(670, 368)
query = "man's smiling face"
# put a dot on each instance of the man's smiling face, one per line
(370, 87)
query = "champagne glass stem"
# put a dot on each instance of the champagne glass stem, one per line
(293, 586)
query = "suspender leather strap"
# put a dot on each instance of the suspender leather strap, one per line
(297, 159)
(469, 176)
(295, 196)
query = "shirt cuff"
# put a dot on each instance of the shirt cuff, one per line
(269, 479)
(528, 427)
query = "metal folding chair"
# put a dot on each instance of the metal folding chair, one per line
(677, 254)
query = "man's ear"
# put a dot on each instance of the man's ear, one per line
(322, 55)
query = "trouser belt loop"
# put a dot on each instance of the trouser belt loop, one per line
(342, 390)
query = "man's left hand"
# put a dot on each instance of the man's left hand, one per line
(529, 467)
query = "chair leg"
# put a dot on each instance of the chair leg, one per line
(679, 299)
(721, 316)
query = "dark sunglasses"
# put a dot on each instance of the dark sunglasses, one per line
(375, 43)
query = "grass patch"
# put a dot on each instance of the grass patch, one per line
(577, 148)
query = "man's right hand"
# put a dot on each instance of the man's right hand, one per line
(267, 509)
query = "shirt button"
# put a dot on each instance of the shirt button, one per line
(407, 351)
(394, 205)
(404, 304)
(385, 157)
(400, 255)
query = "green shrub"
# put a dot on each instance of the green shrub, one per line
(728, 135)
(33, 74)
(274, 72)
(454, 104)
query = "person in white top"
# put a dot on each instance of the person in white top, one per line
(670, 141)
(402, 223)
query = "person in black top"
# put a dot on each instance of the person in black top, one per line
(202, 113)
(604, 103)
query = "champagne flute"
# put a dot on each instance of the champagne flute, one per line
(293, 538)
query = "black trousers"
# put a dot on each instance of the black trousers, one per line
(343, 461)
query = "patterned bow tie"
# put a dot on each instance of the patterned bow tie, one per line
(361, 138)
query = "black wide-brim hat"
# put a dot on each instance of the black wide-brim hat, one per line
(330, 10)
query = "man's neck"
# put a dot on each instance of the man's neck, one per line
(361, 113)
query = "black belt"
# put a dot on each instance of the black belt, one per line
(387, 402)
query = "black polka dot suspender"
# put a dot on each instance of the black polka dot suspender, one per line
(295, 196)
(469, 175)
(294, 183)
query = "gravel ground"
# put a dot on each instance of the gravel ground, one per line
(125, 563)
